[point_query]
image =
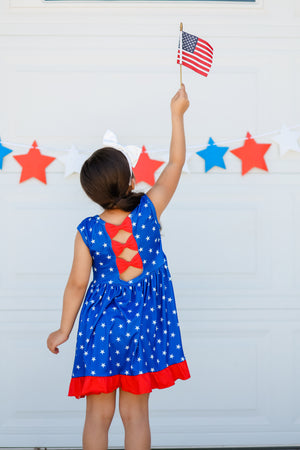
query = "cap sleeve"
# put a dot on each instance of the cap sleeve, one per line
(84, 231)
(147, 201)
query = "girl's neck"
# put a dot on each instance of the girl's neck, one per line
(114, 216)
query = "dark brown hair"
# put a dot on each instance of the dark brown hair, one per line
(105, 178)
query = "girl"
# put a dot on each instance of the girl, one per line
(128, 334)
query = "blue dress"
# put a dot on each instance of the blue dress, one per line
(128, 334)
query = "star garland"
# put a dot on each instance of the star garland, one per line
(3, 152)
(145, 168)
(213, 155)
(251, 153)
(34, 164)
(73, 161)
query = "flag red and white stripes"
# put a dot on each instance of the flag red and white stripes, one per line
(196, 54)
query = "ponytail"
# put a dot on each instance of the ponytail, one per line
(126, 202)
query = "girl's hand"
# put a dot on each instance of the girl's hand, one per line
(180, 102)
(56, 338)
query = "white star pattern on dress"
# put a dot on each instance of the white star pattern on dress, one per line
(123, 328)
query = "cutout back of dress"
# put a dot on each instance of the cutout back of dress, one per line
(128, 260)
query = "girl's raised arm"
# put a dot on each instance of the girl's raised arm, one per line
(164, 188)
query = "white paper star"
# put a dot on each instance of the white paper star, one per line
(287, 140)
(73, 161)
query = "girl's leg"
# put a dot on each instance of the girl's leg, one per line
(135, 416)
(99, 413)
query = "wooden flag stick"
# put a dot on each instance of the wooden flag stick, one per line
(181, 28)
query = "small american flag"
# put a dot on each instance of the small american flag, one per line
(196, 54)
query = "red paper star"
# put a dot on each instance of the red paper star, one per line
(252, 154)
(145, 168)
(34, 164)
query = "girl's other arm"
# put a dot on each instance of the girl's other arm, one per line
(74, 293)
(164, 188)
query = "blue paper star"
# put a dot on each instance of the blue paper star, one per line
(213, 155)
(3, 152)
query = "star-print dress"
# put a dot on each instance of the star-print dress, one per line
(128, 333)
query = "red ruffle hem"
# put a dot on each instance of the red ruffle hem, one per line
(136, 384)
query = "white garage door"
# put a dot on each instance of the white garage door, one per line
(67, 74)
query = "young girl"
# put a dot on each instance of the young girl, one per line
(128, 334)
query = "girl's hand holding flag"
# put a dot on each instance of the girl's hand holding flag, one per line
(180, 102)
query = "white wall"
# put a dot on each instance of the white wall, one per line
(68, 72)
